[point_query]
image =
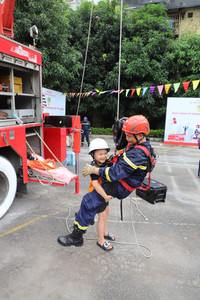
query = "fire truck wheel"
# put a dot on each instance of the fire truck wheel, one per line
(8, 185)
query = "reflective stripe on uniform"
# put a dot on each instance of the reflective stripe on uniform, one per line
(131, 164)
(107, 175)
(79, 226)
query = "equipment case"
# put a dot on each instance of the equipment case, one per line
(156, 192)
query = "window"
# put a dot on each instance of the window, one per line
(174, 23)
(190, 15)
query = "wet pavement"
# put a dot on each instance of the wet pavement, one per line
(156, 254)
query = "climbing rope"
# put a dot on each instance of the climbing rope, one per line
(86, 53)
(119, 72)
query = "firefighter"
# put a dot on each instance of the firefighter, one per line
(118, 180)
(86, 131)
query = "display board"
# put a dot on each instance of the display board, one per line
(182, 124)
(53, 102)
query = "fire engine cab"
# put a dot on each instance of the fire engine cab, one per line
(21, 120)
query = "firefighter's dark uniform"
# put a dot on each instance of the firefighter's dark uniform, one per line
(131, 167)
(86, 127)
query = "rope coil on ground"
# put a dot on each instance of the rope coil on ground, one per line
(132, 201)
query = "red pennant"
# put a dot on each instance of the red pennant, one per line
(133, 90)
(185, 85)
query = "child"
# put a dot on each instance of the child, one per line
(99, 151)
(91, 204)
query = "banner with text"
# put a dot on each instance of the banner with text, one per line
(182, 124)
(53, 102)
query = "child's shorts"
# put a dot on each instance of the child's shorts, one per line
(102, 207)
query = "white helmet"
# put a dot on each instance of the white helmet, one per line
(98, 144)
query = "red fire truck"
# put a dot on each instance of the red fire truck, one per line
(21, 120)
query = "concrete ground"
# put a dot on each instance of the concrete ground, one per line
(165, 265)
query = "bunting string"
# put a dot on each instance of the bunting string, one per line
(130, 92)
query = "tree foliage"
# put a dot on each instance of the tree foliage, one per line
(150, 55)
(61, 61)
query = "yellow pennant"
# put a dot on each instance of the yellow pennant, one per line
(195, 84)
(138, 91)
(167, 87)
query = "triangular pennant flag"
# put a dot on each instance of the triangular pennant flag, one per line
(138, 91)
(102, 92)
(152, 88)
(114, 91)
(195, 84)
(176, 86)
(144, 90)
(167, 87)
(160, 88)
(127, 91)
(185, 85)
(88, 93)
(133, 90)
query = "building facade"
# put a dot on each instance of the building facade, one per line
(184, 14)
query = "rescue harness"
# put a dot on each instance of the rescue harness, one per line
(151, 162)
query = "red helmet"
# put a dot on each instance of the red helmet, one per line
(136, 124)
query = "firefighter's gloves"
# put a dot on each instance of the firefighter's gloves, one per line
(88, 169)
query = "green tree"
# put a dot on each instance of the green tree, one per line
(102, 57)
(145, 61)
(150, 55)
(147, 38)
(60, 59)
